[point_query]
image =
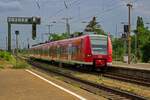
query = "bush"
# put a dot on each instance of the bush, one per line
(145, 52)
(21, 65)
(5, 55)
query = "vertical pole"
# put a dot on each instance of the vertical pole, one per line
(28, 43)
(6, 43)
(49, 31)
(138, 51)
(42, 37)
(135, 47)
(129, 38)
(17, 33)
(16, 44)
(68, 26)
(116, 47)
(9, 37)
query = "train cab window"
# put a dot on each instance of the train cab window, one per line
(99, 44)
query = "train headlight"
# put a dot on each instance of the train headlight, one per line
(89, 55)
(109, 64)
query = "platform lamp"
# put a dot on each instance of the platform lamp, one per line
(17, 33)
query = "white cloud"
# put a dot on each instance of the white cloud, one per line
(10, 6)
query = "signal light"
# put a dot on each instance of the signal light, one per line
(124, 35)
(126, 28)
(33, 31)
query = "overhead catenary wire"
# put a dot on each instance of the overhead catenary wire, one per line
(73, 3)
(37, 3)
(63, 9)
(102, 14)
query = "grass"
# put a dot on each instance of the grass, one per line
(1, 67)
(20, 65)
(7, 58)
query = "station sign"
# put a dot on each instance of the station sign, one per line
(24, 20)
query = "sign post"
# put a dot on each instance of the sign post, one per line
(22, 20)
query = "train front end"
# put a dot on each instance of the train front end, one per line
(101, 50)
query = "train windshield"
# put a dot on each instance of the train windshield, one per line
(99, 44)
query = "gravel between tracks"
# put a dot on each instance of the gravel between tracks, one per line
(140, 90)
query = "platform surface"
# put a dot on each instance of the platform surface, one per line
(145, 66)
(22, 85)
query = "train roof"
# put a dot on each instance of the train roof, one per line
(65, 40)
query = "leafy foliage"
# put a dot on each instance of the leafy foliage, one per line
(93, 26)
(140, 43)
(140, 23)
(5, 55)
(20, 65)
(54, 37)
(145, 51)
(118, 49)
(143, 40)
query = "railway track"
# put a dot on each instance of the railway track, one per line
(100, 89)
(129, 79)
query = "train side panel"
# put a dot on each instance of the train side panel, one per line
(75, 51)
(109, 59)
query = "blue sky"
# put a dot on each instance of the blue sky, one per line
(109, 13)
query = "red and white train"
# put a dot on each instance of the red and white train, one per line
(91, 51)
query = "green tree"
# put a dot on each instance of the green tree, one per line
(143, 39)
(140, 23)
(145, 51)
(118, 49)
(58, 36)
(75, 34)
(93, 26)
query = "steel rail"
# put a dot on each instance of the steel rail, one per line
(85, 84)
(129, 79)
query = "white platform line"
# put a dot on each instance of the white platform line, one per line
(68, 91)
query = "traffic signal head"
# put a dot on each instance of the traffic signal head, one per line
(124, 35)
(126, 28)
(36, 20)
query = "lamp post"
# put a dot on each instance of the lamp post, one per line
(17, 33)
(49, 27)
(67, 25)
(129, 31)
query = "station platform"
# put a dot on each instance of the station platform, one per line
(25, 84)
(142, 66)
